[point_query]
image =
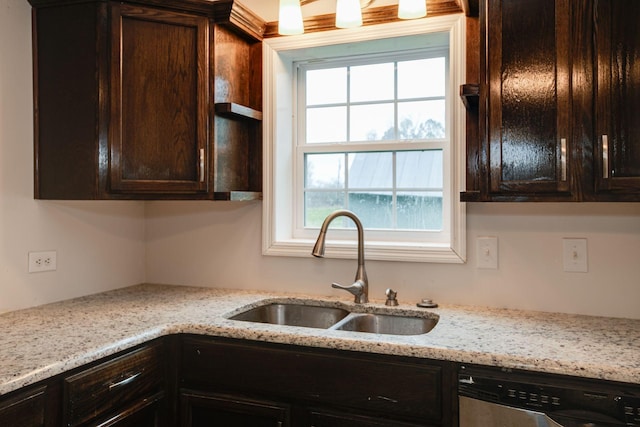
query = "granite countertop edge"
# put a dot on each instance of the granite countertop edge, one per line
(41, 342)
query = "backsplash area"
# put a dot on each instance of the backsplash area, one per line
(220, 245)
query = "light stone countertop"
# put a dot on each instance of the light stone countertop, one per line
(41, 342)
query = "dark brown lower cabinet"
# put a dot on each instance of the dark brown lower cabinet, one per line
(320, 418)
(205, 409)
(123, 391)
(145, 413)
(25, 409)
(282, 385)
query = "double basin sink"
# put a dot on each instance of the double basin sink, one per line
(382, 321)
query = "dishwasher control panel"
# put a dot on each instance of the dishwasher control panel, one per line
(608, 406)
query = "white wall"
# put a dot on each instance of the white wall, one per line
(100, 245)
(219, 245)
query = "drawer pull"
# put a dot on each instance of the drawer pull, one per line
(124, 381)
(202, 165)
(563, 159)
(605, 156)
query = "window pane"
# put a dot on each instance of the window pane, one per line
(421, 78)
(326, 124)
(421, 120)
(324, 170)
(375, 209)
(419, 169)
(371, 170)
(373, 82)
(372, 122)
(319, 204)
(419, 211)
(327, 86)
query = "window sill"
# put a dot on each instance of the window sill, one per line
(380, 251)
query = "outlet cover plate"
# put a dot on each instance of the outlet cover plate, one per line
(43, 261)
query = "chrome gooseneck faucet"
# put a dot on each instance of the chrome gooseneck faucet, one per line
(360, 288)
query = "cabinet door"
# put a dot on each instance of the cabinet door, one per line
(159, 97)
(207, 409)
(617, 149)
(322, 418)
(145, 413)
(116, 388)
(527, 79)
(24, 410)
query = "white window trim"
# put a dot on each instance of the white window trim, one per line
(279, 131)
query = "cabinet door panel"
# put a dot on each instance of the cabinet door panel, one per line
(25, 410)
(146, 413)
(321, 418)
(527, 85)
(98, 391)
(369, 385)
(158, 133)
(207, 409)
(617, 152)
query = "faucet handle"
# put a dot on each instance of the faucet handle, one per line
(391, 297)
(357, 289)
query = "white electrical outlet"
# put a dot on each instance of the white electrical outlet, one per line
(43, 261)
(574, 255)
(487, 252)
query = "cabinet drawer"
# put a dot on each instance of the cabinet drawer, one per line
(376, 384)
(111, 385)
(24, 410)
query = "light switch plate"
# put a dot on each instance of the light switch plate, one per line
(574, 255)
(487, 252)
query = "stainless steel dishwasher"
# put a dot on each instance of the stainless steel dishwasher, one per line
(508, 399)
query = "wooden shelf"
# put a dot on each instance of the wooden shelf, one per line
(237, 111)
(470, 94)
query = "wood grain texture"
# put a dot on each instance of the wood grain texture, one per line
(25, 409)
(237, 136)
(524, 102)
(101, 390)
(617, 53)
(312, 377)
(158, 98)
(124, 96)
(370, 16)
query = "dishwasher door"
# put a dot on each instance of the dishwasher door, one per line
(478, 413)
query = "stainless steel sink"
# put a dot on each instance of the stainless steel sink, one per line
(310, 316)
(340, 319)
(387, 324)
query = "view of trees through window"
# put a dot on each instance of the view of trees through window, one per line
(364, 106)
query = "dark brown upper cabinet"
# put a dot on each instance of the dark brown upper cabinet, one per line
(158, 97)
(524, 103)
(549, 93)
(147, 100)
(617, 135)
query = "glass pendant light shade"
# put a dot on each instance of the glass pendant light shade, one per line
(411, 9)
(348, 14)
(290, 18)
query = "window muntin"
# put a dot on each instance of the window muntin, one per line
(347, 108)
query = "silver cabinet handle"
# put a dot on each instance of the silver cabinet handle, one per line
(563, 159)
(202, 165)
(605, 156)
(124, 381)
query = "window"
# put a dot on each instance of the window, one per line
(371, 132)
(369, 121)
